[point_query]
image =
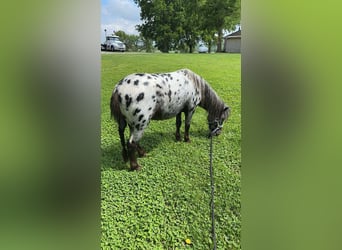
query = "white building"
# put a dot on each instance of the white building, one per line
(232, 42)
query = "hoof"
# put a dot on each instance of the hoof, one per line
(187, 140)
(142, 154)
(135, 168)
(141, 151)
(178, 138)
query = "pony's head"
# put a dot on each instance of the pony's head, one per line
(216, 125)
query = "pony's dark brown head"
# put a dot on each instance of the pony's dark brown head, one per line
(216, 125)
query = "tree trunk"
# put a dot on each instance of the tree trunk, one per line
(164, 48)
(219, 41)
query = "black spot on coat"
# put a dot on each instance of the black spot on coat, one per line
(140, 117)
(128, 100)
(136, 82)
(140, 97)
(169, 94)
(159, 93)
(136, 111)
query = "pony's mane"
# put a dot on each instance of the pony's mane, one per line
(210, 101)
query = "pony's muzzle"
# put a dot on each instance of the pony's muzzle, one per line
(218, 131)
(215, 132)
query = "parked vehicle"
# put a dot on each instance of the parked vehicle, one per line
(113, 43)
(202, 48)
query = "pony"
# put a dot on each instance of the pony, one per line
(141, 97)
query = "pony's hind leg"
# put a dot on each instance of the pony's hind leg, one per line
(122, 126)
(132, 147)
(178, 125)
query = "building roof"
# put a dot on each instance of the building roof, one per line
(234, 34)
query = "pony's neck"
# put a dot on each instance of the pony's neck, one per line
(209, 99)
(211, 102)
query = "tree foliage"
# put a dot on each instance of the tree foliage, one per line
(177, 24)
(220, 15)
(129, 40)
(159, 24)
(135, 43)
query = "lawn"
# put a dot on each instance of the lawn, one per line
(168, 200)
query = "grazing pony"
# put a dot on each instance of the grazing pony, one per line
(138, 98)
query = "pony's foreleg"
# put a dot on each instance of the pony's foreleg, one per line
(188, 116)
(178, 125)
(122, 126)
(141, 151)
(132, 146)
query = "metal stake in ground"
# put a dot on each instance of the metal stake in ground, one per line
(213, 235)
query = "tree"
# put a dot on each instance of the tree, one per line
(172, 24)
(129, 40)
(219, 15)
(156, 16)
(147, 44)
(175, 24)
(208, 37)
(191, 23)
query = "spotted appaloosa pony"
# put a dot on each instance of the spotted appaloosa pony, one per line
(138, 98)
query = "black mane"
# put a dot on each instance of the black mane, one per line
(210, 101)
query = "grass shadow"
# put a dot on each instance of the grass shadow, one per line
(201, 134)
(111, 157)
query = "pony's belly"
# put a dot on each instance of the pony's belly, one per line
(163, 116)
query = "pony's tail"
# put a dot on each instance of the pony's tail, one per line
(115, 111)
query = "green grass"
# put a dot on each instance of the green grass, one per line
(168, 201)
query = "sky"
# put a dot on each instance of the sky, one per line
(119, 15)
